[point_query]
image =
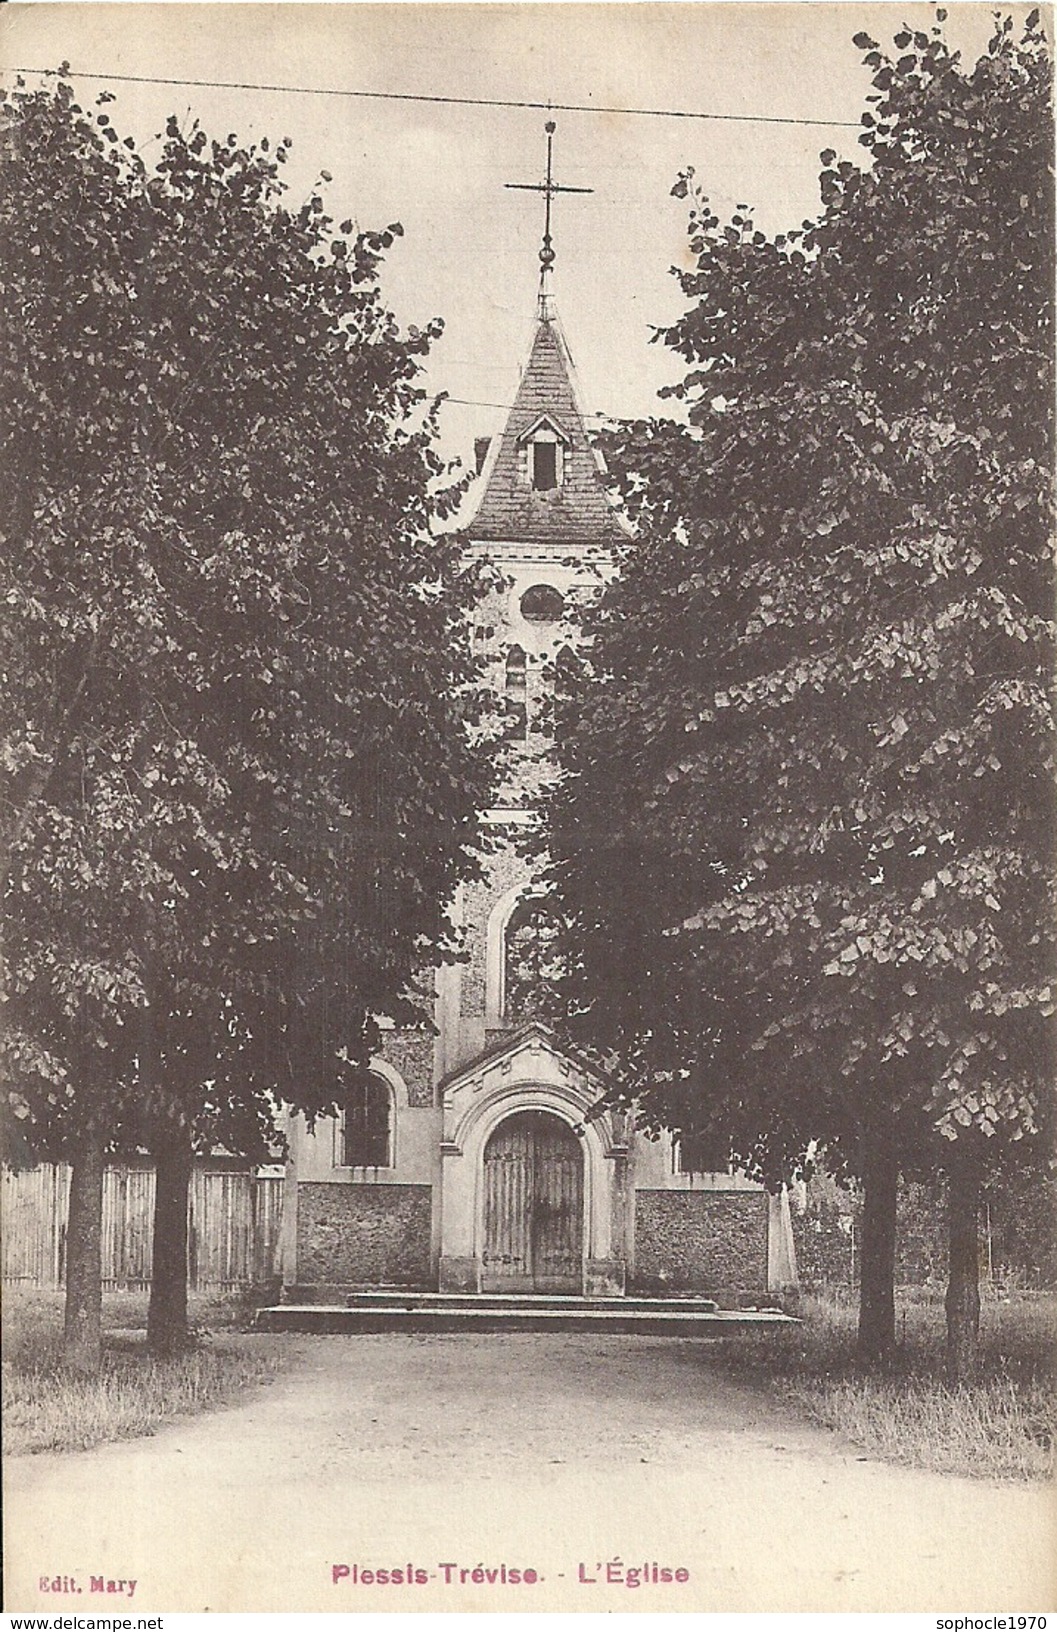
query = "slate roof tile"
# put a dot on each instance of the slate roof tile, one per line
(579, 510)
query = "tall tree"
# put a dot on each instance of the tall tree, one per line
(813, 731)
(243, 775)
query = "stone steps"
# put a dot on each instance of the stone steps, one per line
(382, 1311)
(390, 1297)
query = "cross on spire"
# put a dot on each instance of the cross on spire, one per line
(548, 188)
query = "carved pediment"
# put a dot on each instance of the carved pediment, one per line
(545, 425)
(528, 1054)
(523, 1070)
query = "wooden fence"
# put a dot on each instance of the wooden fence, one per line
(233, 1227)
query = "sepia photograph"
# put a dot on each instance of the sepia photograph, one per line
(528, 798)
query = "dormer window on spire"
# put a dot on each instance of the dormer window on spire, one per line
(544, 465)
(542, 450)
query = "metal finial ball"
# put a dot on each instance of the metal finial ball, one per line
(547, 257)
(550, 127)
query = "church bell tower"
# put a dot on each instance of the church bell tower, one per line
(469, 1162)
(540, 1204)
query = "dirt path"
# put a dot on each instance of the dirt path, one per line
(558, 1453)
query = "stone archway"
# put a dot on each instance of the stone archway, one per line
(528, 1074)
(532, 1197)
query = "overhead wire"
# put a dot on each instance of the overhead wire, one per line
(473, 402)
(454, 101)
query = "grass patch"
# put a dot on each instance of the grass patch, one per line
(46, 1409)
(1000, 1425)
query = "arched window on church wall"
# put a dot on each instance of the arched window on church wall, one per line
(366, 1132)
(517, 692)
(530, 961)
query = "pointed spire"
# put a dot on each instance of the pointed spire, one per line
(543, 480)
(571, 505)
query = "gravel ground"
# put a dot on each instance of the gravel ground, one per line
(581, 1458)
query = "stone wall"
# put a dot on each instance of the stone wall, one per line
(700, 1241)
(411, 1053)
(364, 1235)
(826, 1233)
(1018, 1233)
(505, 869)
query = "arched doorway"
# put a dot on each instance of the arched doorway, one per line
(533, 1206)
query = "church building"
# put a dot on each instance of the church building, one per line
(468, 1161)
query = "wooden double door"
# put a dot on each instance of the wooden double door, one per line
(533, 1206)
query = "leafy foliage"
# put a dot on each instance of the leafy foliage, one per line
(238, 729)
(813, 739)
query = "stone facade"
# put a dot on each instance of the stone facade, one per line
(506, 870)
(701, 1241)
(365, 1235)
(411, 1054)
(498, 1173)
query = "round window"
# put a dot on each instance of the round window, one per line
(542, 604)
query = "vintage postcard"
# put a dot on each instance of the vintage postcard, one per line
(529, 751)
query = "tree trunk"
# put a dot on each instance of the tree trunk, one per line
(963, 1277)
(167, 1330)
(82, 1347)
(877, 1257)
